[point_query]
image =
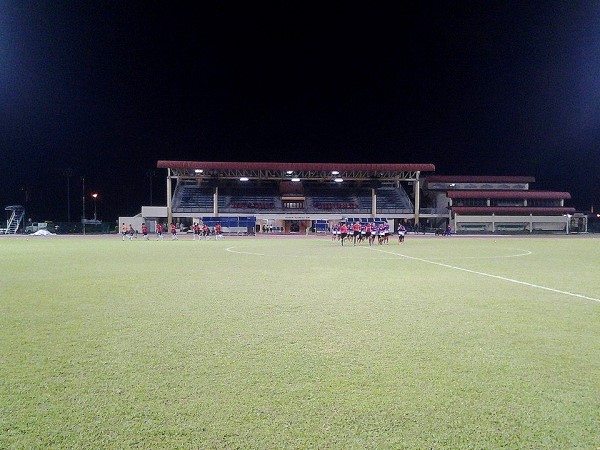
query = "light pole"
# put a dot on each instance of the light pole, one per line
(95, 196)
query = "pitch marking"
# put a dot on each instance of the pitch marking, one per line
(511, 280)
(516, 255)
(229, 249)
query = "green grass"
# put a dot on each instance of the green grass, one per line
(299, 343)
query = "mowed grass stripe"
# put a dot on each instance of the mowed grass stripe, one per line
(183, 344)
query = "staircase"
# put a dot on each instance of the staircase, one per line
(16, 217)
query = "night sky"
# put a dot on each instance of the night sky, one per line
(105, 89)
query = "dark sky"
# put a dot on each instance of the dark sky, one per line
(107, 88)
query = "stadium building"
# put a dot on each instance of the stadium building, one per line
(249, 197)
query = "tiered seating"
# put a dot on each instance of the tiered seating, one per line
(393, 200)
(193, 198)
(323, 199)
(365, 202)
(251, 199)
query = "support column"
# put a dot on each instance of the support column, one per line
(530, 223)
(373, 202)
(216, 201)
(417, 189)
(169, 199)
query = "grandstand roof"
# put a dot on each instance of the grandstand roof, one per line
(479, 179)
(511, 210)
(509, 194)
(283, 170)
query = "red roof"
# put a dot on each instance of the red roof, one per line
(509, 194)
(478, 179)
(512, 210)
(207, 165)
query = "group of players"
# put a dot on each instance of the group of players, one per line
(369, 232)
(357, 232)
(205, 231)
(200, 232)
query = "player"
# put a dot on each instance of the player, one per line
(368, 233)
(386, 233)
(123, 230)
(159, 231)
(355, 232)
(401, 233)
(131, 232)
(174, 232)
(343, 233)
(218, 231)
(145, 231)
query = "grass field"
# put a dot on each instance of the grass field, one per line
(442, 343)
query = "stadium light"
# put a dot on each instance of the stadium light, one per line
(95, 196)
(244, 179)
(334, 172)
(295, 180)
(289, 172)
(338, 180)
(198, 170)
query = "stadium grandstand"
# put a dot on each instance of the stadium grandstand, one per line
(249, 197)
(502, 204)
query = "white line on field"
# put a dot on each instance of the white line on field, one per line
(229, 249)
(511, 280)
(516, 255)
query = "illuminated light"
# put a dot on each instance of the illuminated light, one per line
(338, 180)
(198, 170)
(334, 172)
(95, 195)
(289, 172)
(244, 179)
(295, 179)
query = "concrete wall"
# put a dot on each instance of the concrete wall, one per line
(509, 223)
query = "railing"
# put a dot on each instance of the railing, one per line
(388, 211)
(439, 211)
